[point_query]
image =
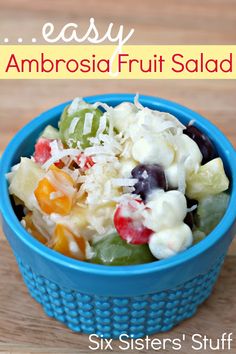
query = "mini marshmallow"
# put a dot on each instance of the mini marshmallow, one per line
(123, 115)
(169, 242)
(165, 210)
(153, 149)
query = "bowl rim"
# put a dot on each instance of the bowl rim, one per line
(225, 224)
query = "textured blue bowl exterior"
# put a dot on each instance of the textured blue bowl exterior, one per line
(110, 316)
(137, 300)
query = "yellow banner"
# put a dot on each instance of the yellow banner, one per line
(107, 62)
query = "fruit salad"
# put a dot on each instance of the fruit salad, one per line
(119, 185)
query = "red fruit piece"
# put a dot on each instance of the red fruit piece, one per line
(42, 151)
(129, 224)
(85, 161)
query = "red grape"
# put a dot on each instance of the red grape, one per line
(131, 228)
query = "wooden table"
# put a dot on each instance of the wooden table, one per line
(23, 326)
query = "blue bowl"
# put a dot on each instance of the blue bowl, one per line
(135, 300)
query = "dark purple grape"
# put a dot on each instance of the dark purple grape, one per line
(189, 220)
(150, 176)
(204, 143)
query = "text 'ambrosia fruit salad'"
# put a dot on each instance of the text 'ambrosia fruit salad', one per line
(120, 185)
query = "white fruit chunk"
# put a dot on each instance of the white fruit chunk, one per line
(25, 180)
(209, 180)
(50, 133)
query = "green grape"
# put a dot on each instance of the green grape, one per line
(113, 251)
(71, 138)
(209, 180)
(210, 211)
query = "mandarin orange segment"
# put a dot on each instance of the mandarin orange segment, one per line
(61, 204)
(31, 228)
(60, 173)
(67, 243)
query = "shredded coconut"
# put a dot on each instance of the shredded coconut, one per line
(23, 223)
(88, 122)
(82, 161)
(73, 125)
(74, 105)
(124, 182)
(73, 247)
(145, 174)
(191, 122)
(137, 103)
(55, 195)
(194, 207)
(102, 125)
(103, 105)
(96, 150)
(60, 183)
(58, 154)
(89, 251)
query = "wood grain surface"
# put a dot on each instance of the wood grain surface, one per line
(23, 326)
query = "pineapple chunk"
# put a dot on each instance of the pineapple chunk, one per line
(209, 180)
(50, 133)
(25, 180)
